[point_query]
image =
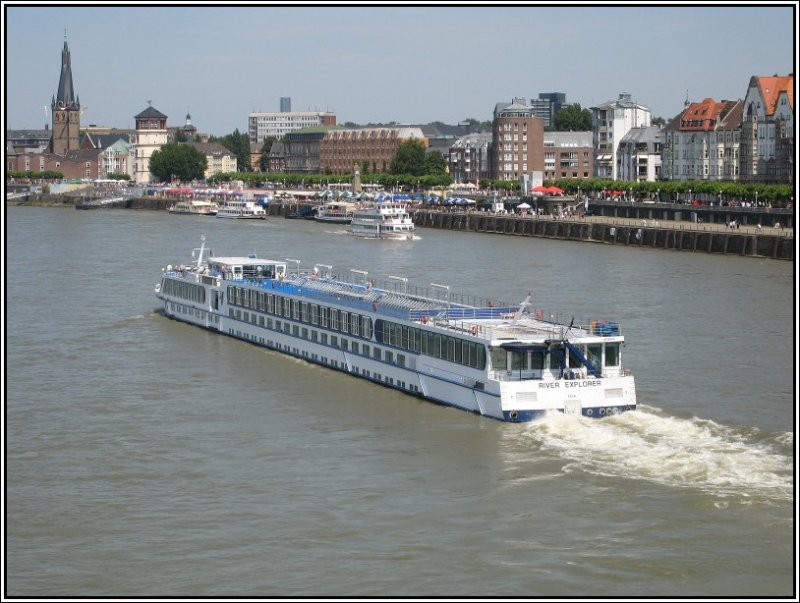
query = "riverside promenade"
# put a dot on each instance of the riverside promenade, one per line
(748, 241)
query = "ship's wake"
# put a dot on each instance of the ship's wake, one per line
(747, 465)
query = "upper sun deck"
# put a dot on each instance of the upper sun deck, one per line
(434, 307)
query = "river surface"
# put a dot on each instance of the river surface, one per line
(149, 458)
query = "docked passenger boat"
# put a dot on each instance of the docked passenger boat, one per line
(194, 206)
(335, 212)
(383, 220)
(496, 360)
(242, 209)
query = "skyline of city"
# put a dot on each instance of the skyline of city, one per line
(406, 65)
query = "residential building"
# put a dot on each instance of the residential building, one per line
(639, 155)
(702, 142)
(262, 125)
(568, 155)
(28, 141)
(470, 156)
(767, 143)
(517, 141)
(372, 149)
(277, 157)
(151, 135)
(610, 122)
(220, 160)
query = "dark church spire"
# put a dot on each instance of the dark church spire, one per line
(65, 98)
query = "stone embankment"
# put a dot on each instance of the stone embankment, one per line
(748, 241)
(766, 242)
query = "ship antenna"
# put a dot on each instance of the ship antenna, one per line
(202, 248)
(522, 307)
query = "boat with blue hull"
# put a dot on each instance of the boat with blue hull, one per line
(497, 360)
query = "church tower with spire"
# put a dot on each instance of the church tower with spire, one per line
(65, 109)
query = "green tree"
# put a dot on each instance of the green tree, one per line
(572, 118)
(658, 121)
(435, 163)
(178, 162)
(409, 158)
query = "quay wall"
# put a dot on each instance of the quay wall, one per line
(669, 236)
(665, 235)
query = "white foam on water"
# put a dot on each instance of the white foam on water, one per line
(683, 453)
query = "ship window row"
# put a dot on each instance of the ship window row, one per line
(537, 359)
(437, 345)
(184, 290)
(334, 319)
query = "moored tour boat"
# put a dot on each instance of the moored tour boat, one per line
(383, 220)
(194, 206)
(335, 212)
(242, 209)
(496, 360)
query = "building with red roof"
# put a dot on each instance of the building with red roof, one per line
(767, 146)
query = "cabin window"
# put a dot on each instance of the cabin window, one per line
(334, 319)
(287, 308)
(612, 354)
(314, 314)
(295, 309)
(499, 359)
(537, 360)
(376, 353)
(305, 312)
(366, 327)
(270, 303)
(343, 321)
(401, 360)
(355, 325)
(594, 354)
(323, 316)
(519, 361)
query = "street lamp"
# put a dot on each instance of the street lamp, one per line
(690, 195)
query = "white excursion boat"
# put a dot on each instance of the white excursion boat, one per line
(495, 360)
(194, 206)
(241, 208)
(335, 212)
(383, 220)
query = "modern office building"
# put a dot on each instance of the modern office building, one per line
(547, 105)
(286, 104)
(371, 149)
(517, 141)
(610, 122)
(263, 125)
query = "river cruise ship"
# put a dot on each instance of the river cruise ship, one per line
(497, 360)
(383, 220)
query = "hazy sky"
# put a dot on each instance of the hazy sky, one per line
(374, 64)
